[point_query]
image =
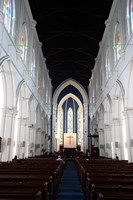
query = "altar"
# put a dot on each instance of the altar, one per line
(70, 140)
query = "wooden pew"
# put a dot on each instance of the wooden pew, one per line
(23, 194)
(108, 192)
(28, 174)
(107, 176)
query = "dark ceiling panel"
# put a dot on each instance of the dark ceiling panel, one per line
(70, 32)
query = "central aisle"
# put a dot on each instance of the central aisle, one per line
(70, 187)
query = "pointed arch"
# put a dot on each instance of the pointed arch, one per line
(7, 81)
(128, 86)
(84, 95)
(73, 83)
(79, 114)
(119, 133)
(18, 90)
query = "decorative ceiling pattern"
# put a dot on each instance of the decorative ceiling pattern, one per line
(70, 33)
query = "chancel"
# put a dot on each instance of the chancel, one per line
(70, 120)
(70, 140)
(66, 89)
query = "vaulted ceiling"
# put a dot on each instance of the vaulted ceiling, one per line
(70, 32)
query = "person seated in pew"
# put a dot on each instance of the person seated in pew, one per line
(60, 159)
(116, 157)
(15, 158)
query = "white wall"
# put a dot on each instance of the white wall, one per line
(114, 92)
(23, 108)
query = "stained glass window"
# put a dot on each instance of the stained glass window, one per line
(61, 126)
(130, 16)
(93, 96)
(107, 65)
(9, 15)
(24, 42)
(101, 78)
(70, 120)
(79, 128)
(117, 42)
(33, 64)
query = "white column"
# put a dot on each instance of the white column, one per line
(49, 136)
(85, 125)
(13, 142)
(2, 129)
(54, 126)
(8, 133)
(116, 138)
(129, 130)
(22, 137)
(107, 140)
(42, 141)
(38, 141)
(31, 150)
(101, 142)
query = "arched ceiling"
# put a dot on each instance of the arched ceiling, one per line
(70, 32)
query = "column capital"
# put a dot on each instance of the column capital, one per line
(24, 121)
(44, 59)
(34, 24)
(107, 23)
(10, 111)
(116, 120)
(40, 45)
(96, 60)
(107, 126)
(128, 111)
(54, 105)
(85, 104)
(39, 130)
(101, 44)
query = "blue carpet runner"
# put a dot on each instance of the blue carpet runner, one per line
(70, 188)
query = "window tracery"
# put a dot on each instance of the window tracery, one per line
(9, 15)
(24, 42)
(70, 120)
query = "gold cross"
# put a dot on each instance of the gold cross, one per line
(70, 137)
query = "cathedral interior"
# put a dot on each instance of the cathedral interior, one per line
(70, 33)
(66, 108)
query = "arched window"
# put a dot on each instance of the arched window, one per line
(101, 78)
(93, 96)
(130, 16)
(107, 65)
(9, 15)
(79, 124)
(70, 120)
(117, 42)
(61, 125)
(24, 42)
(33, 64)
